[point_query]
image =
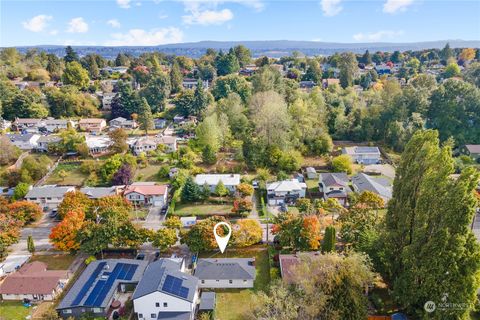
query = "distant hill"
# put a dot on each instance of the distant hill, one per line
(273, 48)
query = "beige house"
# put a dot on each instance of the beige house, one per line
(93, 125)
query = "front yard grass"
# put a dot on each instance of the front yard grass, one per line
(74, 177)
(56, 261)
(234, 304)
(13, 310)
(202, 209)
(149, 173)
(139, 214)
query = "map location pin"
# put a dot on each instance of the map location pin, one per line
(222, 241)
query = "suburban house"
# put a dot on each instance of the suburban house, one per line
(159, 123)
(311, 173)
(98, 144)
(330, 82)
(471, 150)
(225, 272)
(144, 144)
(34, 282)
(101, 192)
(170, 143)
(107, 99)
(100, 284)
(307, 84)
(44, 141)
(166, 292)
(94, 125)
(122, 123)
(289, 261)
(363, 155)
(25, 123)
(12, 263)
(52, 125)
(27, 141)
(188, 221)
(363, 182)
(383, 69)
(286, 191)
(49, 196)
(334, 185)
(146, 194)
(231, 181)
(189, 83)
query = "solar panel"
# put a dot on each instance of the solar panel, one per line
(88, 284)
(173, 285)
(95, 292)
(131, 272)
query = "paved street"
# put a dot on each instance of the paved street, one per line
(39, 234)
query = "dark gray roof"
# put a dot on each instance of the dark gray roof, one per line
(332, 179)
(162, 315)
(21, 137)
(364, 182)
(49, 139)
(155, 275)
(207, 301)
(99, 192)
(226, 268)
(53, 191)
(367, 150)
(89, 274)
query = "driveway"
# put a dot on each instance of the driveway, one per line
(385, 169)
(39, 233)
(154, 219)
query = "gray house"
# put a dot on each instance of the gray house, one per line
(95, 289)
(383, 187)
(472, 150)
(363, 155)
(226, 272)
(334, 185)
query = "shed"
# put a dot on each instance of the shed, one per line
(311, 172)
(207, 301)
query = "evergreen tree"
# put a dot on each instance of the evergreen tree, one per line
(176, 78)
(30, 245)
(221, 190)
(208, 155)
(227, 63)
(366, 58)
(201, 99)
(156, 91)
(190, 191)
(70, 55)
(447, 52)
(348, 67)
(145, 117)
(329, 239)
(431, 251)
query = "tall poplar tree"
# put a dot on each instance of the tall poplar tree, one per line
(145, 117)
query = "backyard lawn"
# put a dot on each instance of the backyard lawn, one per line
(56, 261)
(13, 310)
(312, 185)
(74, 176)
(149, 173)
(202, 209)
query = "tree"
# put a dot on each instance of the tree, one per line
(328, 244)
(447, 52)
(76, 75)
(348, 67)
(268, 78)
(119, 140)
(366, 58)
(245, 189)
(304, 205)
(201, 100)
(145, 117)
(25, 211)
(176, 78)
(227, 63)
(64, 235)
(20, 191)
(62, 174)
(247, 232)
(431, 213)
(173, 222)
(30, 245)
(342, 163)
(70, 55)
(123, 176)
(156, 91)
(314, 71)
(472, 74)
(164, 239)
(452, 70)
(232, 83)
(221, 190)
(243, 54)
(209, 133)
(9, 229)
(208, 155)
(9, 152)
(190, 191)
(242, 206)
(467, 54)
(297, 232)
(200, 236)
(73, 201)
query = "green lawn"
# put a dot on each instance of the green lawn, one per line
(312, 185)
(74, 176)
(55, 262)
(202, 209)
(13, 310)
(233, 304)
(139, 214)
(149, 173)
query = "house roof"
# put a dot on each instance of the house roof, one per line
(361, 150)
(286, 185)
(147, 190)
(214, 179)
(145, 141)
(225, 269)
(49, 139)
(22, 137)
(52, 191)
(364, 182)
(334, 179)
(91, 120)
(473, 148)
(174, 315)
(207, 301)
(102, 276)
(56, 121)
(167, 139)
(98, 141)
(27, 120)
(99, 192)
(119, 119)
(164, 275)
(33, 278)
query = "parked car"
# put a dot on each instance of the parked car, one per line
(140, 256)
(53, 213)
(164, 210)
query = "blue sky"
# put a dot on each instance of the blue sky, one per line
(153, 22)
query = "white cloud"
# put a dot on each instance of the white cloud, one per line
(114, 23)
(377, 36)
(77, 25)
(393, 6)
(53, 32)
(125, 4)
(37, 23)
(140, 37)
(207, 17)
(331, 8)
(162, 16)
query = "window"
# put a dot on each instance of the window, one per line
(153, 315)
(218, 280)
(244, 281)
(67, 311)
(340, 188)
(230, 281)
(140, 315)
(157, 304)
(97, 310)
(203, 281)
(165, 304)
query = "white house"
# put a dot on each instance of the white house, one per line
(98, 144)
(27, 141)
(286, 191)
(226, 272)
(188, 221)
(170, 143)
(44, 141)
(123, 123)
(94, 125)
(147, 194)
(107, 99)
(334, 185)
(166, 292)
(48, 196)
(363, 182)
(231, 181)
(143, 144)
(53, 125)
(363, 155)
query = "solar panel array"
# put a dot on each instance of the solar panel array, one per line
(173, 285)
(88, 284)
(122, 271)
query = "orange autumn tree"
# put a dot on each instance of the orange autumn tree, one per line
(73, 201)
(297, 232)
(310, 233)
(24, 211)
(64, 235)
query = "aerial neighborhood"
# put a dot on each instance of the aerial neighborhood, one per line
(335, 176)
